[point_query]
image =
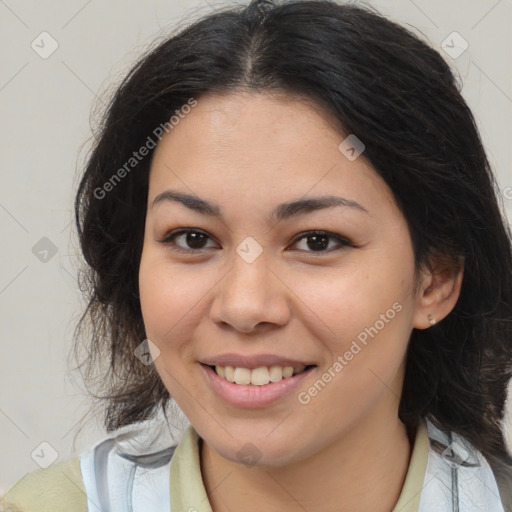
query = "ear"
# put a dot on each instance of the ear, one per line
(438, 291)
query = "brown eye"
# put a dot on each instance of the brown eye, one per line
(319, 241)
(186, 240)
(195, 240)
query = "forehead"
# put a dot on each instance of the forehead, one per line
(260, 148)
(252, 120)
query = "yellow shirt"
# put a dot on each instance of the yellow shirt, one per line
(59, 488)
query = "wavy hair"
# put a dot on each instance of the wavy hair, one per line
(394, 92)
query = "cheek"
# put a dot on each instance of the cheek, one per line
(347, 300)
(365, 326)
(366, 316)
(170, 299)
(171, 308)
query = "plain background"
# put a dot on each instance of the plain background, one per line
(46, 106)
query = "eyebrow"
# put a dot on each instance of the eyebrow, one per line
(280, 212)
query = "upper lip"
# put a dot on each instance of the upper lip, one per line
(253, 361)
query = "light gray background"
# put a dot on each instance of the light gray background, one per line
(45, 106)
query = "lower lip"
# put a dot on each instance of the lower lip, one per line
(250, 396)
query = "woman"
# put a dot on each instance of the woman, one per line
(292, 230)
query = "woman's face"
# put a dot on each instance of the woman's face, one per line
(253, 287)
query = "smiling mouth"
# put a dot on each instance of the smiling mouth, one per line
(260, 376)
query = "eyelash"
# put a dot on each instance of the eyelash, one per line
(168, 240)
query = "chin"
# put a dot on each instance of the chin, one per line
(252, 451)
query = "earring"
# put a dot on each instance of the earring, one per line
(431, 320)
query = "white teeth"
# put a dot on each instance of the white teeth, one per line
(275, 373)
(229, 373)
(287, 371)
(258, 376)
(242, 375)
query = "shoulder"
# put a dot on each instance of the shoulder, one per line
(457, 470)
(58, 488)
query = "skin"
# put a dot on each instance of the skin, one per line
(247, 153)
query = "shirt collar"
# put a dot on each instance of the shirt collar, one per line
(189, 494)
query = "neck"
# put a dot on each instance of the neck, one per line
(353, 474)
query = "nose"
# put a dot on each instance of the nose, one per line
(251, 295)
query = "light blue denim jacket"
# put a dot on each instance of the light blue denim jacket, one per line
(120, 476)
